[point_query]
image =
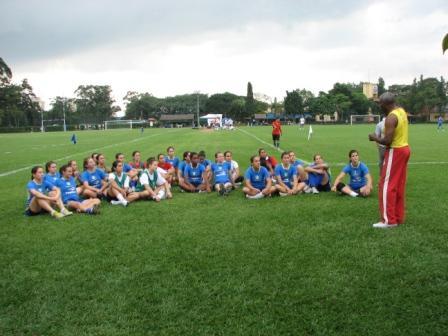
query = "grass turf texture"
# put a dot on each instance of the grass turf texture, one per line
(206, 265)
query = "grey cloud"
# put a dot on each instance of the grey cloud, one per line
(34, 30)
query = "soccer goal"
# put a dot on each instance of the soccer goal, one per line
(115, 124)
(364, 119)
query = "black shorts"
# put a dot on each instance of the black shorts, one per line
(275, 137)
(326, 187)
(30, 213)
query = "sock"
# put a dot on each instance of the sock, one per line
(353, 194)
(120, 197)
(161, 194)
(257, 196)
(52, 212)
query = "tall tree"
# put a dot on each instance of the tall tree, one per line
(293, 103)
(381, 86)
(250, 101)
(94, 103)
(5, 73)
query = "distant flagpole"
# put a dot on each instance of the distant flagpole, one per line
(310, 131)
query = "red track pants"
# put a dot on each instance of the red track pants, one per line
(393, 185)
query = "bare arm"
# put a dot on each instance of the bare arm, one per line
(338, 180)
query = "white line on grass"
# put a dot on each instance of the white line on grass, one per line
(85, 152)
(344, 163)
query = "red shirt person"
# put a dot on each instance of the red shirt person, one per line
(276, 132)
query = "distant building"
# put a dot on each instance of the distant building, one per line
(370, 90)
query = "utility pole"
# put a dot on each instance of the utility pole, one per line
(197, 107)
(42, 120)
(63, 110)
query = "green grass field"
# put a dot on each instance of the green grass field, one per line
(205, 265)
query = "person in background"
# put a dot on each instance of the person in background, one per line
(101, 163)
(379, 131)
(267, 161)
(276, 132)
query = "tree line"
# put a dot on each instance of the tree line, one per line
(93, 104)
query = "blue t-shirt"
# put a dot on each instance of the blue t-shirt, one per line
(286, 174)
(298, 163)
(257, 178)
(127, 167)
(206, 163)
(357, 175)
(68, 189)
(181, 167)
(51, 179)
(221, 172)
(174, 161)
(194, 175)
(43, 188)
(94, 178)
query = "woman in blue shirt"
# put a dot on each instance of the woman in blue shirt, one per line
(360, 179)
(42, 196)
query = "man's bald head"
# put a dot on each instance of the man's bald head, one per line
(387, 98)
(387, 101)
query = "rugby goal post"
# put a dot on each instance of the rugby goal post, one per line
(364, 119)
(114, 124)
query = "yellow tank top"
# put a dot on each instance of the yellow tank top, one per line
(400, 138)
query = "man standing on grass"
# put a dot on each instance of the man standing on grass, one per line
(393, 173)
(276, 132)
(440, 123)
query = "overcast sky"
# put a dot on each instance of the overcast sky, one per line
(174, 47)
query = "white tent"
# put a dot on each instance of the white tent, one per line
(213, 119)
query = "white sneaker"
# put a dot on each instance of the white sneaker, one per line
(307, 189)
(381, 225)
(114, 202)
(66, 212)
(282, 194)
(314, 190)
(124, 203)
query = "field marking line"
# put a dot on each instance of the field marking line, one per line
(343, 163)
(85, 152)
(280, 150)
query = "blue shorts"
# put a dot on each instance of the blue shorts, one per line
(195, 183)
(356, 187)
(30, 213)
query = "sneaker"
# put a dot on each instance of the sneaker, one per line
(114, 202)
(307, 189)
(282, 194)
(314, 190)
(57, 215)
(66, 212)
(222, 190)
(381, 225)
